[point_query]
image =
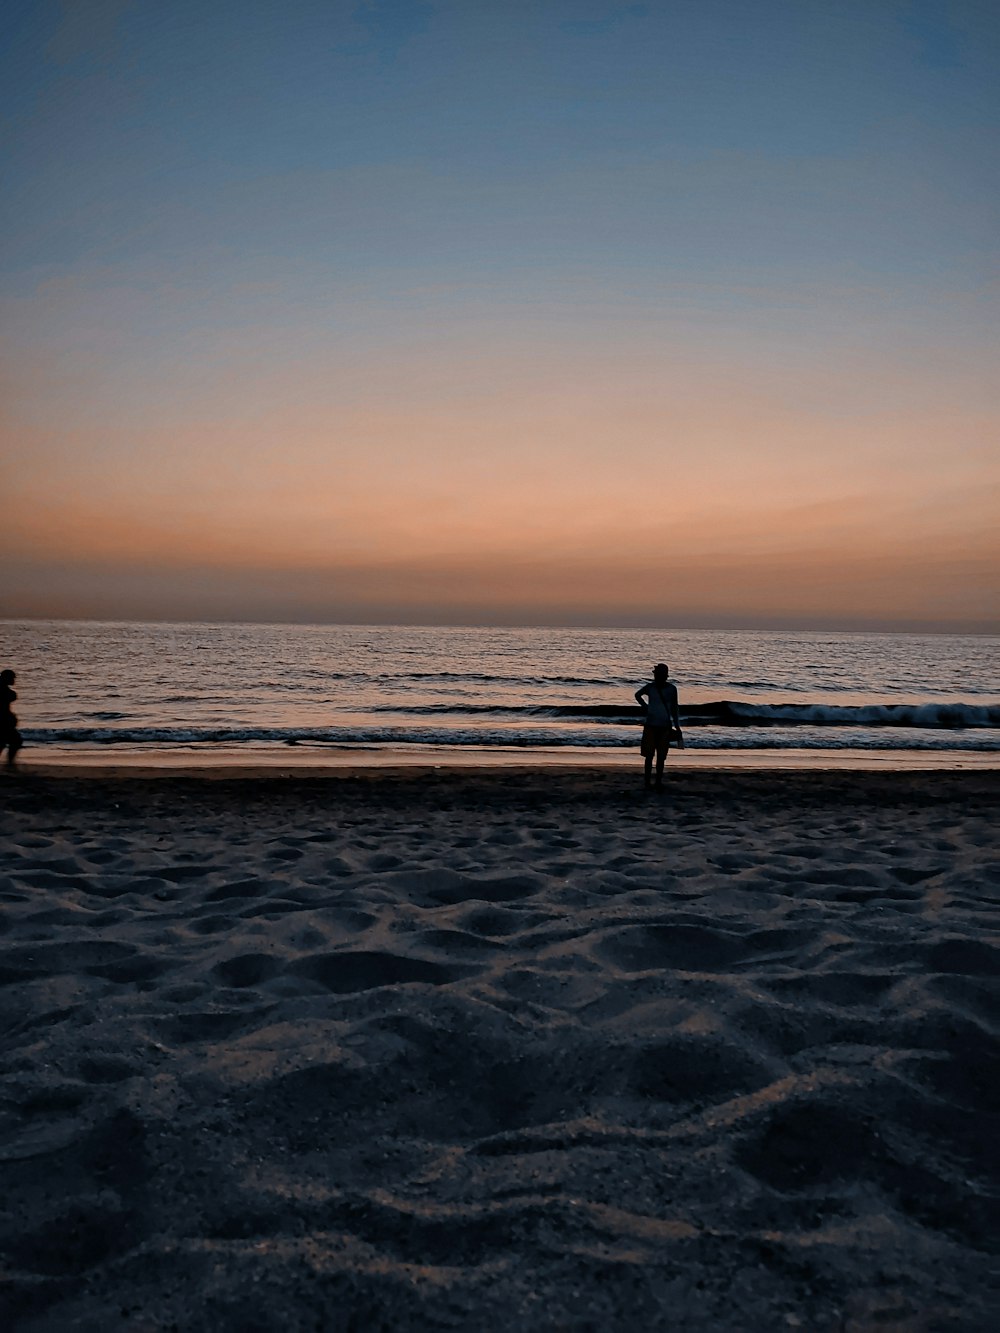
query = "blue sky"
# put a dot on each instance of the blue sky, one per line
(847, 138)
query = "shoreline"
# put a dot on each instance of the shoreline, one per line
(262, 764)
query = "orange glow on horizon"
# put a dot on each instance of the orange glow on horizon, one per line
(589, 496)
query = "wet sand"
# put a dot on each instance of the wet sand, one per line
(308, 761)
(518, 1049)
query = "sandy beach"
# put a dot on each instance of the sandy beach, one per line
(512, 1049)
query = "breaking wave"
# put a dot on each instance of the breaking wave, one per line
(733, 713)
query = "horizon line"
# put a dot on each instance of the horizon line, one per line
(915, 628)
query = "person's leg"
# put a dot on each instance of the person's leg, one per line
(648, 770)
(14, 743)
(661, 759)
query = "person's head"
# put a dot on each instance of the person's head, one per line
(7, 677)
(660, 672)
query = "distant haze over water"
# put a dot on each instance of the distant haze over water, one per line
(151, 687)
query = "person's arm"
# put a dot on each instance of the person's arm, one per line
(643, 689)
(675, 716)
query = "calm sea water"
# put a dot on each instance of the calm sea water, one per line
(200, 686)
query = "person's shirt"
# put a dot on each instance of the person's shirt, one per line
(661, 700)
(7, 697)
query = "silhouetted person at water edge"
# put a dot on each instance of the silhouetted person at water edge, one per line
(10, 737)
(658, 701)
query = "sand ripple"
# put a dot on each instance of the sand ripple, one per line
(506, 1051)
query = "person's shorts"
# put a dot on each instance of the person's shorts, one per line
(655, 738)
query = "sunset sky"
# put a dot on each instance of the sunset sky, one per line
(515, 311)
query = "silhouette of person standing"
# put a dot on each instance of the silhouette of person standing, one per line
(10, 737)
(658, 701)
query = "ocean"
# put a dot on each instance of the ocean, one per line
(149, 688)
